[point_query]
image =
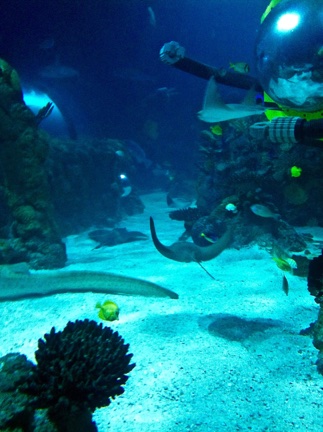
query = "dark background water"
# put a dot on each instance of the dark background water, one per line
(114, 47)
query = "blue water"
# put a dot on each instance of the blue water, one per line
(114, 48)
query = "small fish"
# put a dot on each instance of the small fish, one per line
(263, 211)
(240, 67)
(152, 16)
(57, 71)
(283, 264)
(285, 285)
(216, 130)
(137, 153)
(292, 263)
(282, 260)
(211, 238)
(295, 171)
(47, 44)
(109, 311)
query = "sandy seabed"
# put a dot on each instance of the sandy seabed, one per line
(226, 356)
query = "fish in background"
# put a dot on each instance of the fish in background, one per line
(47, 44)
(263, 211)
(116, 236)
(137, 153)
(216, 130)
(240, 67)
(132, 74)
(160, 95)
(58, 71)
(152, 16)
(215, 110)
(285, 285)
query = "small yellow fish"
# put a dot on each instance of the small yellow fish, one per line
(216, 130)
(282, 264)
(295, 171)
(240, 67)
(285, 264)
(109, 311)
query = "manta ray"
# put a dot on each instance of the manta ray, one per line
(215, 110)
(187, 252)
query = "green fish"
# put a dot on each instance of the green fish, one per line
(240, 67)
(109, 311)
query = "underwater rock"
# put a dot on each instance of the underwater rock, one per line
(83, 183)
(315, 287)
(189, 214)
(16, 412)
(295, 194)
(24, 149)
(315, 276)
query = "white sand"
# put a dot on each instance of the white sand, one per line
(186, 378)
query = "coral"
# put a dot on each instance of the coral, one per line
(10, 77)
(24, 214)
(78, 370)
(315, 277)
(189, 214)
(16, 412)
(315, 287)
(24, 149)
(295, 194)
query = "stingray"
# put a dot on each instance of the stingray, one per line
(215, 110)
(17, 284)
(187, 252)
(115, 236)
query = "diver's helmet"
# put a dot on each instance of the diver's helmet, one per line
(289, 56)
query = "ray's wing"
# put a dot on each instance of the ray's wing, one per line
(215, 110)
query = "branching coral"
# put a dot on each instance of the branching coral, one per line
(78, 370)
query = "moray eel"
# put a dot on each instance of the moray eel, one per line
(22, 285)
(190, 252)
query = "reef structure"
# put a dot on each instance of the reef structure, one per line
(78, 370)
(315, 288)
(34, 235)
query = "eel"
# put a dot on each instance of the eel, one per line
(17, 286)
(189, 252)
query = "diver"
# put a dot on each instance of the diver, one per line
(289, 61)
